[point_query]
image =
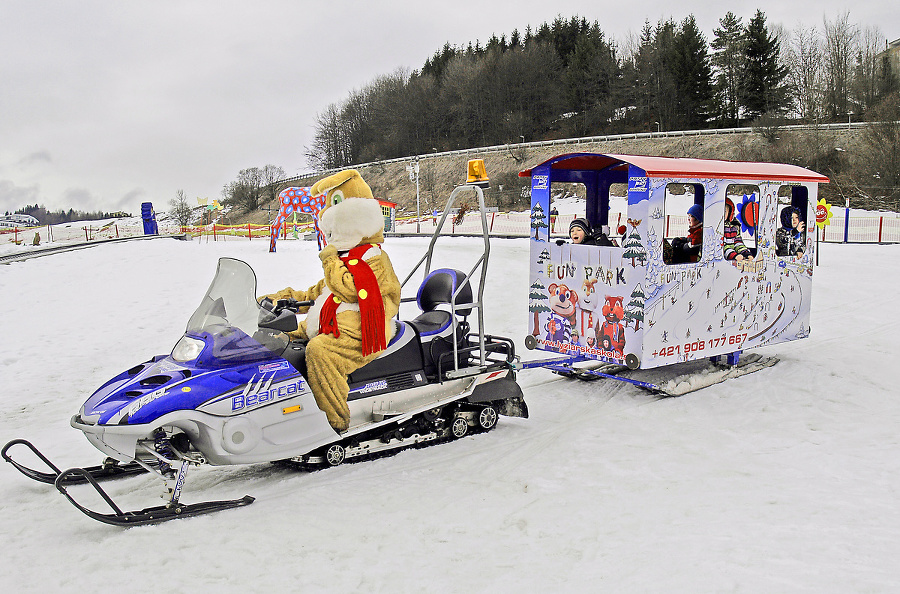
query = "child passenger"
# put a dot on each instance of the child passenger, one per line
(687, 249)
(580, 232)
(733, 245)
(790, 238)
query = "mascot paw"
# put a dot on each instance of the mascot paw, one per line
(329, 252)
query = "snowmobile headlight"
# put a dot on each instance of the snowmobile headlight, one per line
(187, 349)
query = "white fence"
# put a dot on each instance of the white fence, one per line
(856, 229)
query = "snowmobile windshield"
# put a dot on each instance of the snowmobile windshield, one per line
(229, 306)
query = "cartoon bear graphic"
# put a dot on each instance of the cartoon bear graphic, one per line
(561, 325)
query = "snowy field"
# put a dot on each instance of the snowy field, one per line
(786, 480)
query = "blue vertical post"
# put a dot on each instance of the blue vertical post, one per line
(847, 221)
(149, 217)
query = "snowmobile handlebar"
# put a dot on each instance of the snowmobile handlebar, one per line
(277, 307)
(291, 304)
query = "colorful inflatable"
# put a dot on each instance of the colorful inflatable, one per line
(297, 200)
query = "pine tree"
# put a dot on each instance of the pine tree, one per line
(764, 89)
(634, 311)
(538, 219)
(634, 249)
(692, 75)
(728, 60)
(588, 80)
(537, 303)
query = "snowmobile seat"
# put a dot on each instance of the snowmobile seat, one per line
(402, 356)
(437, 291)
(436, 322)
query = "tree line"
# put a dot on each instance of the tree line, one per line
(47, 217)
(570, 79)
(253, 187)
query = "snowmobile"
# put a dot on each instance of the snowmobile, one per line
(233, 390)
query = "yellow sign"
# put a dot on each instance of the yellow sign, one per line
(823, 214)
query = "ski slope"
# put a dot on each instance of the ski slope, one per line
(786, 480)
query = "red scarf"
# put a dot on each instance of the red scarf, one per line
(371, 305)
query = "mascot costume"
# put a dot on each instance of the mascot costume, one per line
(351, 320)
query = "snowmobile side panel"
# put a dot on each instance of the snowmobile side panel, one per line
(276, 430)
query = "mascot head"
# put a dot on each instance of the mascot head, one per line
(563, 300)
(351, 215)
(613, 310)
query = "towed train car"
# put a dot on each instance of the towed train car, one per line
(637, 302)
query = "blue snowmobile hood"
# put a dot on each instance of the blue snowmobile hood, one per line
(228, 351)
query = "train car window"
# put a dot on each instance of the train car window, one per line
(790, 237)
(567, 203)
(591, 207)
(739, 222)
(684, 206)
(618, 213)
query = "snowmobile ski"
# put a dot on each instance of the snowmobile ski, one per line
(150, 515)
(110, 468)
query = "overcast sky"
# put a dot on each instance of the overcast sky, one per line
(107, 104)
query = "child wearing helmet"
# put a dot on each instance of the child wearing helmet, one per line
(733, 244)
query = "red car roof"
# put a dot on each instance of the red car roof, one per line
(683, 168)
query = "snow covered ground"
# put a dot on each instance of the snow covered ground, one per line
(786, 480)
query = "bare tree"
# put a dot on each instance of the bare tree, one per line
(840, 47)
(864, 90)
(329, 143)
(877, 162)
(180, 209)
(271, 175)
(805, 73)
(246, 191)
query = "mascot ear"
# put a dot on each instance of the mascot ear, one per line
(340, 186)
(552, 289)
(332, 181)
